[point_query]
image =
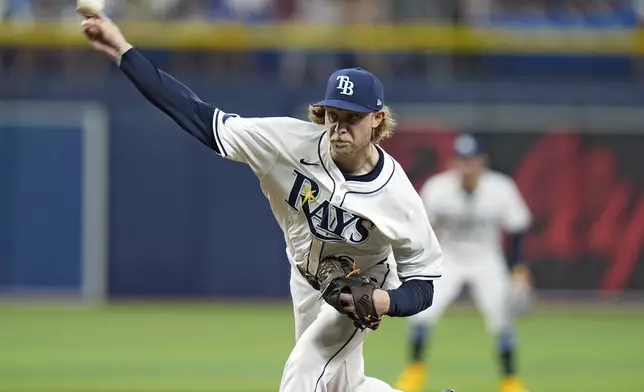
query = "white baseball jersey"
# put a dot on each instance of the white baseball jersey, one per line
(470, 225)
(320, 212)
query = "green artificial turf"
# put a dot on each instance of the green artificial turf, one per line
(242, 347)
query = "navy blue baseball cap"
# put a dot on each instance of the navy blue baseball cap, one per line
(354, 89)
(468, 146)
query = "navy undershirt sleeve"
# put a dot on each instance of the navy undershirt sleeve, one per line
(171, 96)
(413, 296)
(514, 254)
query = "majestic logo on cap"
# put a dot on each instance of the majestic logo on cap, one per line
(345, 85)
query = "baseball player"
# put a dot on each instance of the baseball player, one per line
(470, 206)
(357, 237)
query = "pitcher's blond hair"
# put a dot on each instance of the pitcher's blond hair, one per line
(383, 131)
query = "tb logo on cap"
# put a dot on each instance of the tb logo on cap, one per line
(345, 85)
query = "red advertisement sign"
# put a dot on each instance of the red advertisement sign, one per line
(585, 191)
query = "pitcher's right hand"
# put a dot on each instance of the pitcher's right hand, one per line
(104, 35)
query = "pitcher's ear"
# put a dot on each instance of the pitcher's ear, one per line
(378, 117)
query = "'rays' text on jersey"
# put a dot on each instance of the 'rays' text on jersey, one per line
(326, 221)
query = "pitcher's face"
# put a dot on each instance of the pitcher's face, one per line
(348, 131)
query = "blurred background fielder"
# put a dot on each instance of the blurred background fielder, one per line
(470, 208)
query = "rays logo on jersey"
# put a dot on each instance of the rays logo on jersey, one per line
(326, 221)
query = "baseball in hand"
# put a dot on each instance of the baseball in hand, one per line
(90, 6)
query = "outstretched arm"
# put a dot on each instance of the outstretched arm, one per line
(161, 89)
(255, 141)
(171, 96)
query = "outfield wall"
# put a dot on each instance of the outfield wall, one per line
(182, 222)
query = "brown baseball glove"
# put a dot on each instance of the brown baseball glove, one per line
(337, 275)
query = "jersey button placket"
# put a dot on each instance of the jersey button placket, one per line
(339, 194)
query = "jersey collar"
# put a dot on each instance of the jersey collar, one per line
(377, 181)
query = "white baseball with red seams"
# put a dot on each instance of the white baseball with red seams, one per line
(90, 5)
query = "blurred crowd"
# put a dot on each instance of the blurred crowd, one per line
(501, 11)
(296, 66)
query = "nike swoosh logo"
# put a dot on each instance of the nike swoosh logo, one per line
(303, 162)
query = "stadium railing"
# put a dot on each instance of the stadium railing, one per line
(439, 38)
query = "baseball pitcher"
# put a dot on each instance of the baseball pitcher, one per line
(356, 233)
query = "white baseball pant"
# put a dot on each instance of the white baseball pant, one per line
(327, 356)
(489, 281)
